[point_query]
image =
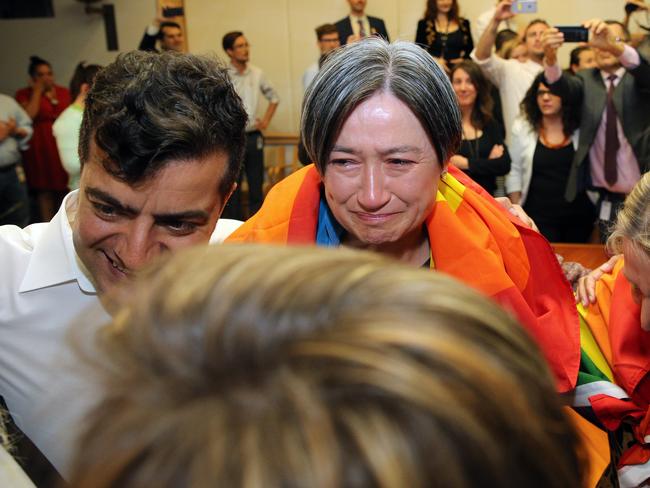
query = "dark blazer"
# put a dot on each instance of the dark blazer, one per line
(632, 101)
(344, 26)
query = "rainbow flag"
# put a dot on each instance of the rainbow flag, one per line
(473, 239)
(613, 382)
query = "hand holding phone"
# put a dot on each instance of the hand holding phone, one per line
(574, 33)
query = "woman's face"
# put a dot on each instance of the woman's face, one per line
(637, 272)
(382, 175)
(45, 75)
(444, 6)
(519, 52)
(464, 88)
(548, 103)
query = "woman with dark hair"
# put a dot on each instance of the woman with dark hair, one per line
(66, 128)
(544, 139)
(44, 101)
(482, 154)
(444, 34)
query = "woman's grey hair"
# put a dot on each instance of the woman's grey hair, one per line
(357, 71)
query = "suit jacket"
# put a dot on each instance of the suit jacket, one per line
(344, 26)
(632, 101)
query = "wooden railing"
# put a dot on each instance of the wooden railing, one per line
(589, 255)
(280, 156)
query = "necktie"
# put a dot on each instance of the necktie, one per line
(362, 31)
(611, 135)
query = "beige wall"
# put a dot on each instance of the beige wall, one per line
(280, 32)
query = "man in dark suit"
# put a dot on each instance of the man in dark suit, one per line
(614, 145)
(164, 31)
(358, 25)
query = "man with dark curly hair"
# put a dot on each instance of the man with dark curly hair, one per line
(160, 150)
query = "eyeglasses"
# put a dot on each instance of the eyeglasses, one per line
(541, 93)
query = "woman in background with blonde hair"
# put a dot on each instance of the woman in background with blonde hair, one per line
(277, 366)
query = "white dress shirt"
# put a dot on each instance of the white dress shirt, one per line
(356, 28)
(309, 75)
(249, 85)
(44, 292)
(482, 21)
(513, 79)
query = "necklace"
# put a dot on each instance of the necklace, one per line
(443, 37)
(51, 96)
(544, 140)
(472, 144)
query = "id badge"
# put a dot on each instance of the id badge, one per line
(605, 210)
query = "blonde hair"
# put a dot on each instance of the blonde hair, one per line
(261, 366)
(633, 220)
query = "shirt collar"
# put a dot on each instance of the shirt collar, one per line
(54, 260)
(619, 74)
(354, 18)
(236, 72)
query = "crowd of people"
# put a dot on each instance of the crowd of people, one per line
(437, 342)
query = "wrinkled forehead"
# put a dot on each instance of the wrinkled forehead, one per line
(170, 30)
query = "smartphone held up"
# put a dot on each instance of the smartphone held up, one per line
(169, 12)
(524, 7)
(574, 33)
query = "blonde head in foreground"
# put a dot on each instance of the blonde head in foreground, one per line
(254, 366)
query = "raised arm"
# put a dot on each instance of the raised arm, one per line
(32, 105)
(486, 42)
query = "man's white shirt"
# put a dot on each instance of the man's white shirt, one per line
(513, 79)
(44, 291)
(309, 75)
